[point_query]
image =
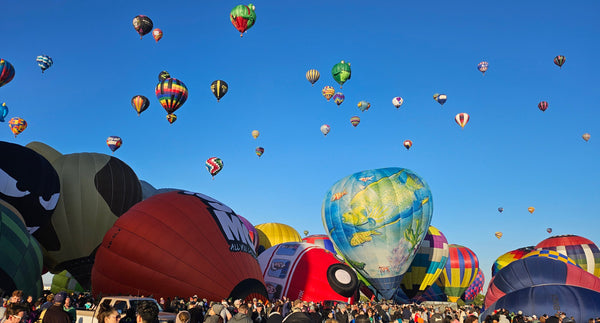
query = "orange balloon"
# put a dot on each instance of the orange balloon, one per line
(157, 34)
(531, 209)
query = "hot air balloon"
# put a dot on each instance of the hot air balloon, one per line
(440, 98)
(114, 143)
(17, 125)
(243, 17)
(44, 62)
(460, 271)
(7, 72)
(219, 89)
(462, 119)
(255, 134)
(4, 112)
(498, 234)
(475, 288)
(531, 209)
(433, 293)
(30, 184)
(214, 165)
(543, 105)
(65, 282)
(313, 76)
(552, 254)
(305, 233)
(500, 209)
(407, 144)
(140, 103)
(95, 189)
(321, 240)
(21, 265)
(338, 98)
(341, 72)
(306, 272)
(482, 67)
(142, 24)
(363, 106)
(355, 121)
(583, 251)
(259, 151)
(171, 94)
(252, 231)
(559, 60)
(171, 117)
(586, 136)
(377, 220)
(272, 234)
(142, 253)
(325, 129)
(328, 92)
(427, 265)
(549, 230)
(397, 101)
(157, 34)
(509, 257)
(163, 75)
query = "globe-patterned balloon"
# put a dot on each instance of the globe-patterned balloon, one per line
(377, 220)
(583, 251)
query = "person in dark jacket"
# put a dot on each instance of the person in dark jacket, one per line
(259, 315)
(342, 315)
(55, 313)
(241, 316)
(275, 315)
(297, 316)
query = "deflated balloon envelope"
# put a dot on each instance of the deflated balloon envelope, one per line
(178, 243)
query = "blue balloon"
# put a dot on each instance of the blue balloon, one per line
(377, 219)
(3, 112)
(44, 62)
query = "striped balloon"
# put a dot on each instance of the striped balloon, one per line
(214, 165)
(7, 72)
(475, 288)
(171, 94)
(462, 119)
(583, 251)
(338, 98)
(355, 121)
(559, 60)
(321, 240)
(140, 103)
(509, 257)
(543, 105)
(460, 271)
(545, 253)
(44, 62)
(328, 92)
(427, 265)
(313, 76)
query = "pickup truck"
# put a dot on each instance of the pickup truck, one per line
(122, 304)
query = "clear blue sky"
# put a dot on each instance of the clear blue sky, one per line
(510, 154)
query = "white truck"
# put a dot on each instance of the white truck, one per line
(122, 304)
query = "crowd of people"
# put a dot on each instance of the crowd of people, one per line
(61, 308)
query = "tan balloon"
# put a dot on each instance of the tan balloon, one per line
(586, 136)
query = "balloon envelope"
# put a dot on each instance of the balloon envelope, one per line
(219, 88)
(321, 240)
(313, 76)
(325, 129)
(7, 72)
(475, 288)
(251, 230)
(397, 101)
(509, 257)
(114, 142)
(583, 251)
(460, 271)
(271, 234)
(242, 17)
(142, 24)
(255, 134)
(338, 98)
(140, 103)
(328, 92)
(341, 72)
(4, 112)
(171, 94)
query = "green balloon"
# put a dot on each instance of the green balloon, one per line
(341, 72)
(243, 17)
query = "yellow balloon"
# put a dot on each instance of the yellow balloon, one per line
(498, 234)
(255, 133)
(271, 234)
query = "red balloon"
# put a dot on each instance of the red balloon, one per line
(178, 243)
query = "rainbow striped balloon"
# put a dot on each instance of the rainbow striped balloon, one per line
(460, 271)
(583, 251)
(7, 72)
(171, 94)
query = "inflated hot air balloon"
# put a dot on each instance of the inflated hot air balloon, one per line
(95, 189)
(140, 103)
(531, 209)
(500, 209)
(559, 60)
(142, 24)
(17, 125)
(306, 272)
(214, 165)
(171, 94)
(586, 136)
(259, 151)
(459, 273)
(65, 282)
(355, 121)
(271, 234)
(397, 102)
(341, 72)
(4, 112)
(325, 129)
(160, 247)
(549, 230)
(219, 89)
(462, 119)
(243, 17)
(377, 219)
(255, 134)
(552, 254)
(482, 67)
(7, 72)
(157, 34)
(338, 98)
(163, 75)
(21, 265)
(427, 265)
(435, 96)
(475, 288)
(328, 92)
(114, 143)
(363, 106)
(171, 117)
(509, 257)
(441, 98)
(313, 76)
(585, 253)
(407, 144)
(498, 234)
(305, 232)
(533, 275)
(251, 230)
(543, 105)
(321, 240)
(44, 62)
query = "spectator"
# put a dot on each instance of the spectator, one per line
(242, 315)
(14, 313)
(147, 312)
(56, 314)
(183, 317)
(275, 315)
